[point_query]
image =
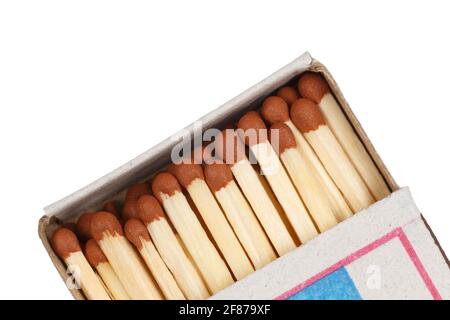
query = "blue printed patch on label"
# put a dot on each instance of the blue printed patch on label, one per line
(336, 286)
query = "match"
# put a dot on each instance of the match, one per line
(288, 94)
(231, 150)
(84, 226)
(307, 183)
(213, 269)
(67, 247)
(170, 249)
(107, 231)
(313, 87)
(137, 234)
(308, 118)
(129, 210)
(99, 262)
(192, 179)
(220, 179)
(137, 190)
(276, 110)
(133, 193)
(111, 206)
(254, 134)
(72, 226)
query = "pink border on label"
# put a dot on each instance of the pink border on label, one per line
(398, 232)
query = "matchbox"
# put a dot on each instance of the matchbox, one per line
(385, 251)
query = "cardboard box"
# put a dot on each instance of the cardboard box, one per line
(387, 230)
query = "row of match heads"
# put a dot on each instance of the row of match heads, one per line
(275, 111)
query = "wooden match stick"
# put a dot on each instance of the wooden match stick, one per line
(67, 247)
(137, 234)
(192, 179)
(254, 134)
(275, 110)
(231, 150)
(184, 272)
(307, 183)
(98, 261)
(220, 179)
(107, 231)
(308, 118)
(288, 94)
(312, 86)
(213, 269)
(132, 195)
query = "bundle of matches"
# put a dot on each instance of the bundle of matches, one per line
(239, 213)
(313, 87)
(100, 263)
(308, 118)
(254, 133)
(191, 177)
(230, 221)
(231, 151)
(307, 183)
(105, 228)
(137, 234)
(170, 249)
(167, 190)
(275, 109)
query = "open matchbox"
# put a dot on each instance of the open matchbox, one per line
(386, 251)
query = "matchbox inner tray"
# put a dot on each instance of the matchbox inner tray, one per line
(386, 251)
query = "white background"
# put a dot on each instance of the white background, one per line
(87, 85)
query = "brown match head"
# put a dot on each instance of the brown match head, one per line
(149, 209)
(252, 127)
(94, 253)
(135, 231)
(312, 86)
(105, 223)
(111, 206)
(306, 115)
(65, 242)
(84, 225)
(209, 154)
(228, 125)
(186, 172)
(71, 226)
(275, 109)
(288, 94)
(129, 209)
(229, 147)
(286, 139)
(218, 176)
(137, 190)
(165, 183)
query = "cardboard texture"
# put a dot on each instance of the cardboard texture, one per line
(383, 252)
(358, 230)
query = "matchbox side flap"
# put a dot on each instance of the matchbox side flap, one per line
(383, 252)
